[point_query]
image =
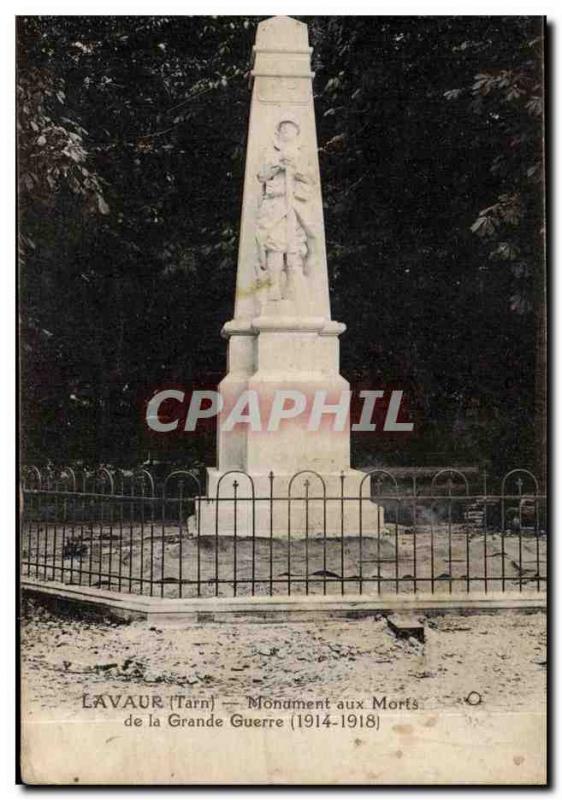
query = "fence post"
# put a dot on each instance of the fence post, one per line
(271, 478)
(485, 520)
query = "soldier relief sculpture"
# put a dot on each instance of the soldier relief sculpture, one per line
(284, 232)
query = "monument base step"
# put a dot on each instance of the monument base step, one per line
(287, 506)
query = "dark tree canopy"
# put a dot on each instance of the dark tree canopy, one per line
(131, 141)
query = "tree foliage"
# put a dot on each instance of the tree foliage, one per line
(131, 158)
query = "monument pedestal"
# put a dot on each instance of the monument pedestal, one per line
(289, 361)
(303, 506)
(279, 474)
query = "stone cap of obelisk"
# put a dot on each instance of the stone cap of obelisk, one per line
(281, 92)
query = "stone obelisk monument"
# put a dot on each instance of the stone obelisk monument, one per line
(282, 339)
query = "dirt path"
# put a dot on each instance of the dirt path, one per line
(501, 656)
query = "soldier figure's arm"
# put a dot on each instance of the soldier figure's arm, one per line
(268, 171)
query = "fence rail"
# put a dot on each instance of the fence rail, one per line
(131, 532)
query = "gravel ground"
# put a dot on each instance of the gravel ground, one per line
(500, 655)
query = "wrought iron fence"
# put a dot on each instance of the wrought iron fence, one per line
(128, 532)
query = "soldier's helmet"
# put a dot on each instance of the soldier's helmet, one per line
(288, 117)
